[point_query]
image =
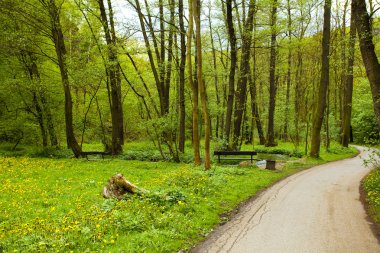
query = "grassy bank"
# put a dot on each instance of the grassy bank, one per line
(371, 186)
(56, 204)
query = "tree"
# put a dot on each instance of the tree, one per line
(113, 77)
(60, 50)
(241, 91)
(367, 49)
(320, 107)
(194, 86)
(348, 89)
(201, 84)
(182, 66)
(233, 64)
(272, 72)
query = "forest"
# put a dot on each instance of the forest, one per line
(218, 74)
(93, 90)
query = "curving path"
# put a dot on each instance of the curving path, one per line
(317, 210)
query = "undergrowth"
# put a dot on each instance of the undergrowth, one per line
(56, 204)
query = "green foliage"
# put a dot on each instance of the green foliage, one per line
(371, 186)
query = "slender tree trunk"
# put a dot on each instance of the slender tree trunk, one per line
(347, 99)
(253, 90)
(182, 112)
(202, 86)
(194, 87)
(324, 84)
(216, 81)
(367, 49)
(241, 92)
(113, 71)
(231, 80)
(60, 49)
(288, 77)
(272, 82)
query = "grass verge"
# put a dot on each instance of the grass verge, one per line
(56, 204)
(371, 187)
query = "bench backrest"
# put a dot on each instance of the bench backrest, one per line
(223, 152)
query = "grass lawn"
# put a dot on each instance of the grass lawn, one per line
(55, 205)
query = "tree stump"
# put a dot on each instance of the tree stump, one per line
(271, 165)
(118, 186)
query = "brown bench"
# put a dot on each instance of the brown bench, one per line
(222, 155)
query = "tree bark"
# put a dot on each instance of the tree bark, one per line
(113, 72)
(216, 81)
(272, 79)
(60, 50)
(367, 49)
(241, 91)
(182, 112)
(288, 77)
(324, 84)
(347, 98)
(231, 80)
(194, 87)
(202, 86)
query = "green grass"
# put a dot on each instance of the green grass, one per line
(56, 204)
(371, 186)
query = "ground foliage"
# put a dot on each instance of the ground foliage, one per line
(371, 185)
(56, 204)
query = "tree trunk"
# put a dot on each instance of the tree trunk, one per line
(194, 87)
(272, 82)
(113, 71)
(60, 49)
(231, 80)
(216, 81)
(288, 77)
(347, 99)
(241, 91)
(49, 120)
(182, 113)
(367, 49)
(202, 86)
(324, 84)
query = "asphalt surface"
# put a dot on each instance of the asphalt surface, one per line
(317, 210)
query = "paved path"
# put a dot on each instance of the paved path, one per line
(317, 210)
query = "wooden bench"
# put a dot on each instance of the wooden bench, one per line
(89, 153)
(270, 164)
(222, 155)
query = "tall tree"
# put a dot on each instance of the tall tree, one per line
(288, 76)
(182, 108)
(60, 49)
(114, 79)
(367, 49)
(348, 89)
(241, 91)
(193, 85)
(201, 84)
(320, 107)
(272, 79)
(253, 90)
(233, 65)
